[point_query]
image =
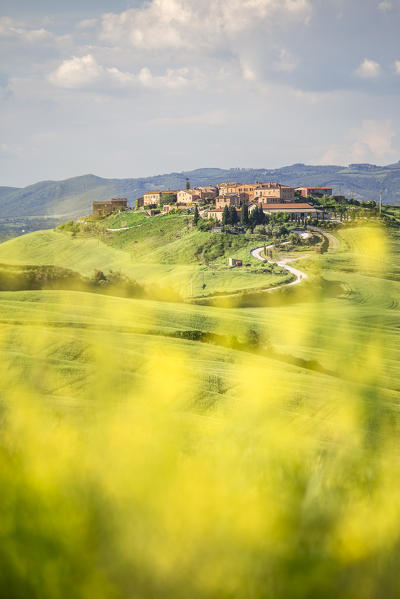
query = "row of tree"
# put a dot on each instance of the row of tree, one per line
(230, 216)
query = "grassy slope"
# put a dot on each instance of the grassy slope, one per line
(249, 450)
(370, 302)
(334, 332)
(160, 251)
(63, 331)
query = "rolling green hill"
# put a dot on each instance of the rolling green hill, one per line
(73, 197)
(162, 251)
(306, 336)
(168, 449)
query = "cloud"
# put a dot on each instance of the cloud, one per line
(7, 151)
(385, 6)
(397, 67)
(374, 138)
(10, 28)
(369, 69)
(372, 142)
(248, 73)
(213, 118)
(85, 72)
(87, 24)
(286, 61)
(173, 78)
(190, 24)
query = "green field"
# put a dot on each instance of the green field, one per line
(160, 251)
(367, 300)
(159, 449)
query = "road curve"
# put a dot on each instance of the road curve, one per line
(300, 276)
(334, 242)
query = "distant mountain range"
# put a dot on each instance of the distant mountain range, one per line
(74, 197)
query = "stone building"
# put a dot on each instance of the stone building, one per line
(228, 200)
(246, 191)
(317, 192)
(227, 188)
(188, 196)
(207, 192)
(268, 192)
(110, 206)
(272, 193)
(155, 198)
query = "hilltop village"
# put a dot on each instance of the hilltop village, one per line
(226, 200)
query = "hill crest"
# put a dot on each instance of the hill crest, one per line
(73, 197)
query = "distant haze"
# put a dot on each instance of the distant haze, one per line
(130, 88)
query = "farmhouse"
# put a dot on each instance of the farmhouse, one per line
(227, 188)
(228, 200)
(295, 210)
(154, 198)
(188, 196)
(110, 206)
(207, 192)
(246, 191)
(316, 192)
(272, 193)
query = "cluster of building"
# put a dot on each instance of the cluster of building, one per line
(212, 200)
(272, 197)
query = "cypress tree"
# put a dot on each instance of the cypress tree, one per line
(226, 216)
(233, 217)
(244, 215)
(253, 219)
(196, 215)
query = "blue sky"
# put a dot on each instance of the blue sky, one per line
(132, 88)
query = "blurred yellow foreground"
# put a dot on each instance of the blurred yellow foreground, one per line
(137, 463)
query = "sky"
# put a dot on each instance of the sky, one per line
(126, 88)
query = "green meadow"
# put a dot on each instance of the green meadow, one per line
(173, 449)
(161, 251)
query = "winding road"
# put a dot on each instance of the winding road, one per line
(334, 243)
(300, 275)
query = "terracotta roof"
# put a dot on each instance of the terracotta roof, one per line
(314, 187)
(159, 191)
(288, 206)
(221, 210)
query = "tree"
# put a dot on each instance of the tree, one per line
(226, 216)
(295, 239)
(233, 217)
(99, 277)
(259, 215)
(244, 215)
(253, 219)
(196, 215)
(167, 198)
(187, 183)
(259, 229)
